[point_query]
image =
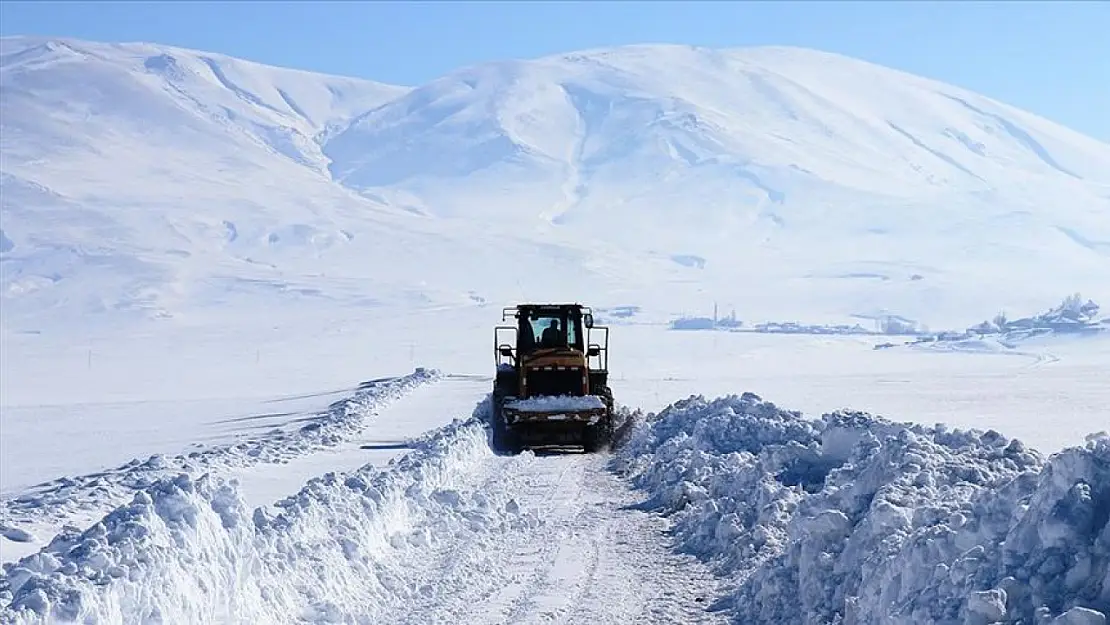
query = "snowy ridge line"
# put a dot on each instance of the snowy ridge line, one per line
(853, 519)
(187, 549)
(100, 492)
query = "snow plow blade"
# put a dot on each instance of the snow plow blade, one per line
(539, 421)
(590, 409)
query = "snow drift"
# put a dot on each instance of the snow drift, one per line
(851, 518)
(99, 492)
(187, 550)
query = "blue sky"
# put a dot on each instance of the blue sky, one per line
(1051, 58)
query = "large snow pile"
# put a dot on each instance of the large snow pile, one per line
(99, 492)
(851, 518)
(187, 550)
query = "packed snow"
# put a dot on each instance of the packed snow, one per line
(851, 518)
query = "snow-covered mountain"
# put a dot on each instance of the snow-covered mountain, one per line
(213, 274)
(765, 136)
(811, 166)
(168, 182)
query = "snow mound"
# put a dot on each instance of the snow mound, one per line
(187, 549)
(850, 518)
(99, 492)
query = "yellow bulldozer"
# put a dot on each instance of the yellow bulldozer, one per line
(552, 382)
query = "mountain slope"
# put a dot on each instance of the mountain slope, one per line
(810, 165)
(155, 181)
(147, 181)
(142, 89)
(766, 134)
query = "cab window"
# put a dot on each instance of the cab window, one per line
(568, 333)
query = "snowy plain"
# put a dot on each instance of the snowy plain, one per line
(220, 281)
(652, 367)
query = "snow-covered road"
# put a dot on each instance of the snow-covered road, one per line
(391, 507)
(397, 523)
(582, 553)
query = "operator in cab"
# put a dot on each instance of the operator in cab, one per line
(551, 336)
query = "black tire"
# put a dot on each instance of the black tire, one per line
(607, 396)
(591, 440)
(597, 437)
(504, 440)
(600, 436)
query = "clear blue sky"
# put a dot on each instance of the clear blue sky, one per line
(1051, 58)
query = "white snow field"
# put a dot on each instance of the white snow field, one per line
(846, 518)
(247, 315)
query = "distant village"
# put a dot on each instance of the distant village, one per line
(1072, 316)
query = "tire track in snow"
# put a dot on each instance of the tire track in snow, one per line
(581, 554)
(552, 494)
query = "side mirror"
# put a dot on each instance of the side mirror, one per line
(588, 319)
(594, 350)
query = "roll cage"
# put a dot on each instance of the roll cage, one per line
(576, 323)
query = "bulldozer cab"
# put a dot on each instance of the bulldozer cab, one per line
(549, 329)
(544, 330)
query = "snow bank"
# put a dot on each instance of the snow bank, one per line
(100, 492)
(853, 519)
(186, 550)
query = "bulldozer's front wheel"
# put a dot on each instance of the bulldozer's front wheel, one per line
(600, 436)
(596, 437)
(504, 439)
